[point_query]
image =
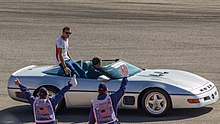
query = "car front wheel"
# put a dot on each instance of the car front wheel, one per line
(156, 102)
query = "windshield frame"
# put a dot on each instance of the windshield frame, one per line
(112, 69)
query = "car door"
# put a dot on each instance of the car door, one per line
(86, 90)
(83, 93)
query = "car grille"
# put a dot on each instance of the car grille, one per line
(207, 87)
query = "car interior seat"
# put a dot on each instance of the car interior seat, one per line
(61, 72)
(86, 64)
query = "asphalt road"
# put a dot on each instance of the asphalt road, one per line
(170, 34)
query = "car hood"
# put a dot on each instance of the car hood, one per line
(178, 78)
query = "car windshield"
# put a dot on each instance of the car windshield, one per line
(112, 69)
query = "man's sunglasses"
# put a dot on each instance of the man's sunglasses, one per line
(68, 33)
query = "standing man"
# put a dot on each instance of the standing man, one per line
(104, 108)
(63, 56)
(44, 106)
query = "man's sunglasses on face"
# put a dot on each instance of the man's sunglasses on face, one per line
(68, 33)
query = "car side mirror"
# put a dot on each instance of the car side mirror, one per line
(103, 78)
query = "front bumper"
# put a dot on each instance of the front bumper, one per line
(207, 98)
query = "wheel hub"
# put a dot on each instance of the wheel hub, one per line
(155, 103)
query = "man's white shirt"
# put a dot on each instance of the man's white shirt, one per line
(60, 43)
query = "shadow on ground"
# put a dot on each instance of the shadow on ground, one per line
(23, 114)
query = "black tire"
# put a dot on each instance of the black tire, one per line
(52, 91)
(156, 102)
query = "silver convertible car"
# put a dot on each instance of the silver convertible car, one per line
(154, 91)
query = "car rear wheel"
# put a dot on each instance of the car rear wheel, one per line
(156, 102)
